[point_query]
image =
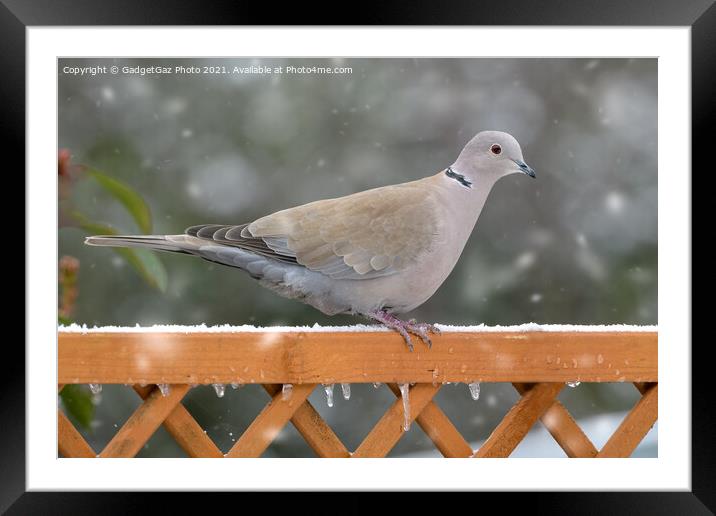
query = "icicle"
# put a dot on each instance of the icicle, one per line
(404, 389)
(234, 385)
(164, 388)
(376, 385)
(474, 390)
(329, 394)
(573, 384)
(219, 389)
(286, 391)
(96, 388)
(346, 388)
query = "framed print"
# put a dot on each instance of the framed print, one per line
(319, 290)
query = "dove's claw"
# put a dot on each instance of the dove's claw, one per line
(423, 334)
(426, 339)
(405, 336)
(409, 343)
(422, 330)
(403, 327)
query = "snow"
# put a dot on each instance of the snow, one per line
(247, 328)
(550, 328)
(223, 328)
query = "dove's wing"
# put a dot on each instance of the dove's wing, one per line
(365, 235)
(217, 233)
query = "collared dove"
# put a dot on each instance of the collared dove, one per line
(375, 253)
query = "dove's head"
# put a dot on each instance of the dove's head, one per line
(491, 155)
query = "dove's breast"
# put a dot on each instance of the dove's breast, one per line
(458, 209)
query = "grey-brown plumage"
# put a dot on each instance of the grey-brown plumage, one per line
(376, 253)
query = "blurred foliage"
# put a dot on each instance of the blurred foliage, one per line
(146, 263)
(77, 400)
(131, 200)
(68, 269)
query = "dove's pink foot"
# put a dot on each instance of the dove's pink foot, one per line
(405, 328)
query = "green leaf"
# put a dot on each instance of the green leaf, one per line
(65, 321)
(147, 263)
(127, 196)
(144, 261)
(78, 404)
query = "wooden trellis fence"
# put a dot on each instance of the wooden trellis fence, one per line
(538, 364)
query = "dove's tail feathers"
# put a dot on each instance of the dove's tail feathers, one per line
(155, 242)
(256, 265)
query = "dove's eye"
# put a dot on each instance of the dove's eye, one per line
(495, 149)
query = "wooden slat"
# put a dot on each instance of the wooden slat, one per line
(144, 422)
(185, 430)
(70, 442)
(448, 440)
(388, 431)
(518, 421)
(267, 425)
(319, 436)
(345, 357)
(564, 429)
(634, 427)
(642, 386)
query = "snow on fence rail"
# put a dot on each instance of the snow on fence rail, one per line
(164, 362)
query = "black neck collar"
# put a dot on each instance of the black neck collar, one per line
(458, 177)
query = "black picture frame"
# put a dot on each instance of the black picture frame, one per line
(17, 15)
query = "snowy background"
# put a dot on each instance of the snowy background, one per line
(577, 245)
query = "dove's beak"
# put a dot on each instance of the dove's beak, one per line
(525, 168)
